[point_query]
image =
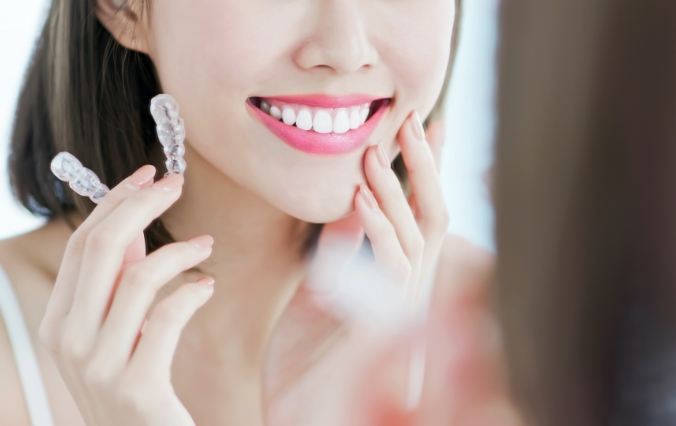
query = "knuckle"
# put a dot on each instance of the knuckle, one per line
(135, 285)
(135, 275)
(132, 395)
(96, 377)
(73, 349)
(112, 198)
(77, 240)
(101, 238)
(139, 391)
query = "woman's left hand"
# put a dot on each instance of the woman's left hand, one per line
(406, 232)
(464, 381)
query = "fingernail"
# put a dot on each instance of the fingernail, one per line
(169, 183)
(382, 157)
(202, 242)
(368, 196)
(207, 281)
(207, 284)
(417, 127)
(141, 176)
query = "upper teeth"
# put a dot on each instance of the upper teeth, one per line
(321, 120)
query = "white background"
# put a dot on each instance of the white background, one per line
(469, 125)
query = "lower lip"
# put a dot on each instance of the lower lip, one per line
(319, 143)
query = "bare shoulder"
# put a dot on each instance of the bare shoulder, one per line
(463, 266)
(40, 249)
(29, 260)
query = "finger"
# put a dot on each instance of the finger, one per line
(156, 348)
(424, 178)
(392, 200)
(104, 252)
(436, 134)
(64, 287)
(136, 293)
(386, 247)
(140, 179)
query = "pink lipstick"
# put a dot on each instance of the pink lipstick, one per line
(320, 124)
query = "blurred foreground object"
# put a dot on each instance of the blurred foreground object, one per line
(586, 238)
(367, 380)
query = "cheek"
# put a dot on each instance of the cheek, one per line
(211, 62)
(212, 54)
(207, 57)
(419, 52)
(207, 45)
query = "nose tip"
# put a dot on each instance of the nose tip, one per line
(342, 57)
(339, 43)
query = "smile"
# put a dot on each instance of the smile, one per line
(320, 124)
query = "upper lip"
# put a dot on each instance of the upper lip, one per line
(326, 101)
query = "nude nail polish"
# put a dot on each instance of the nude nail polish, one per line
(141, 176)
(207, 282)
(170, 183)
(207, 285)
(202, 242)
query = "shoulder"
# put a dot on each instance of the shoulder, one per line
(39, 250)
(463, 268)
(29, 261)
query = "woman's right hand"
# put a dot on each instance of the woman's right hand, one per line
(116, 365)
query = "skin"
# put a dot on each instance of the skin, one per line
(253, 196)
(252, 193)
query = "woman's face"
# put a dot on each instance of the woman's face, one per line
(215, 55)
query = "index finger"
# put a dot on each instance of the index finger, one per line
(104, 253)
(64, 288)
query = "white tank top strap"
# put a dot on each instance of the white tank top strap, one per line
(24, 355)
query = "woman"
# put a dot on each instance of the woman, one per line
(258, 198)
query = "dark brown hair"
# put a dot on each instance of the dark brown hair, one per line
(87, 94)
(585, 200)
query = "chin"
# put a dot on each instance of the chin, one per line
(319, 211)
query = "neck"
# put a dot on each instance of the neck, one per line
(257, 260)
